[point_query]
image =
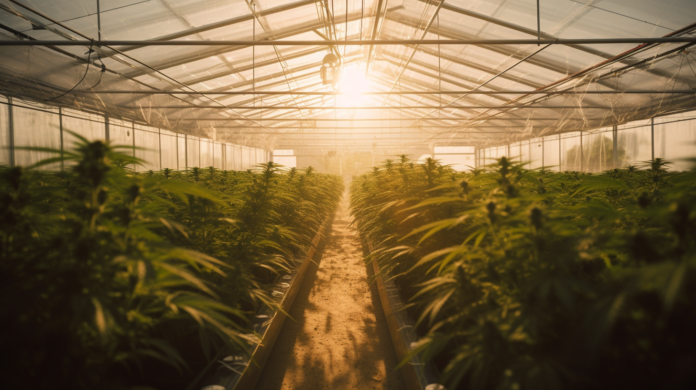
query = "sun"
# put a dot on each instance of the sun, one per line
(352, 85)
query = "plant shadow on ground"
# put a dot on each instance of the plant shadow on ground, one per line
(345, 348)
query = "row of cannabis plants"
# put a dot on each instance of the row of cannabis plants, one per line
(112, 279)
(531, 279)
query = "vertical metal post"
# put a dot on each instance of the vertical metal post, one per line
(159, 146)
(538, 23)
(582, 155)
(133, 130)
(543, 153)
(98, 20)
(509, 155)
(560, 154)
(62, 147)
(253, 53)
(615, 146)
(199, 151)
(186, 152)
(10, 128)
(177, 152)
(107, 135)
(652, 138)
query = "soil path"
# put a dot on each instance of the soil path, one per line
(339, 339)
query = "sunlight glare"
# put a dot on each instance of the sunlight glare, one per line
(352, 85)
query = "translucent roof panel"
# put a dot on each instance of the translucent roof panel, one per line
(482, 93)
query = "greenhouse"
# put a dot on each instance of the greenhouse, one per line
(328, 194)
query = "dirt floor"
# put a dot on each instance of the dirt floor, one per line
(339, 339)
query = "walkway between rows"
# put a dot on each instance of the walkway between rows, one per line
(339, 339)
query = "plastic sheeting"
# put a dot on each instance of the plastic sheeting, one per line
(40, 126)
(42, 73)
(286, 161)
(675, 139)
(168, 143)
(671, 137)
(34, 129)
(458, 162)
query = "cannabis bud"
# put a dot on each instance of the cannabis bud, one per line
(535, 218)
(133, 192)
(101, 197)
(491, 207)
(491, 211)
(680, 219)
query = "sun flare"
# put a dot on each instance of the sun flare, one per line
(353, 85)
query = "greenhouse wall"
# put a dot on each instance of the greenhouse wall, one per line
(285, 157)
(459, 158)
(672, 137)
(28, 124)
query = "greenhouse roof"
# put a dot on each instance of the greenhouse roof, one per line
(415, 72)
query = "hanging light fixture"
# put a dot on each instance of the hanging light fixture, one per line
(330, 70)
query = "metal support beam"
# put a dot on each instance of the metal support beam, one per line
(352, 132)
(378, 93)
(258, 65)
(582, 156)
(99, 49)
(373, 36)
(440, 78)
(225, 23)
(380, 42)
(381, 120)
(278, 34)
(449, 107)
(415, 49)
(10, 131)
(397, 138)
(472, 65)
(615, 149)
(521, 60)
(613, 72)
(543, 153)
(133, 132)
(537, 33)
(159, 146)
(107, 135)
(652, 139)
(62, 141)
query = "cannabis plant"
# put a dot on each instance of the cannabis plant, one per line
(532, 279)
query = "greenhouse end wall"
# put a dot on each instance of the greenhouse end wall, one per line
(671, 137)
(29, 124)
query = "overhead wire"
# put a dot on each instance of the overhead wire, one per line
(117, 51)
(89, 55)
